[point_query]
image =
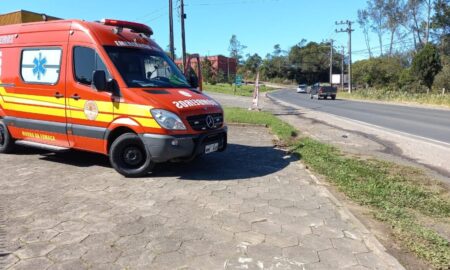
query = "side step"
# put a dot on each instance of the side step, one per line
(47, 147)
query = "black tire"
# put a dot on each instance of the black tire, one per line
(6, 141)
(129, 156)
(333, 97)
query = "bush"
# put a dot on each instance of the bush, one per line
(442, 80)
(408, 83)
(405, 78)
(381, 71)
(426, 65)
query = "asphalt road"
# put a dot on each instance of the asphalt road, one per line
(432, 124)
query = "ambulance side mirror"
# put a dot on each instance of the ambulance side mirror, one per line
(99, 80)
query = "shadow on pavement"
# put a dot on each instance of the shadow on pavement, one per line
(237, 162)
(24, 151)
(78, 158)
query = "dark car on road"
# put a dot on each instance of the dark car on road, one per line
(322, 92)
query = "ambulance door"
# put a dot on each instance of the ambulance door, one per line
(36, 102)
(89, 111)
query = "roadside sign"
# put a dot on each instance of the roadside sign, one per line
(336, 79)
(256, 94)
(238, 80)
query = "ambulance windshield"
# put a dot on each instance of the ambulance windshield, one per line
(142, 68)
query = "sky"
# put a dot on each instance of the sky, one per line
(258, 24)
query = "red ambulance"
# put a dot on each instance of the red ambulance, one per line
(104, 87)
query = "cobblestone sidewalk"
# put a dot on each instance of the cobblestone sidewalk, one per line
(251, 207)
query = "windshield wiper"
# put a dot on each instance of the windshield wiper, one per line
(158, 83)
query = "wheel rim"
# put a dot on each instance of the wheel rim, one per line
(133, 156)
(2, 136)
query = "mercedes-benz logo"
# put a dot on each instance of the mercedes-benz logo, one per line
(210, 121)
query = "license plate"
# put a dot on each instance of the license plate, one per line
(209, 148)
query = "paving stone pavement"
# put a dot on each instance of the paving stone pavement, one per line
(252, 207)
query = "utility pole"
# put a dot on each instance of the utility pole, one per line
(349, 30)
(183, 37)
(331, 62)
(171, 45)
(228, 68)
(342, 68)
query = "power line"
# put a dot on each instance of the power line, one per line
(147, 15)
(400, 41)
(233, 2)
(157, 17)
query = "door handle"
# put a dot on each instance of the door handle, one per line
(76, 97)
(58, 95)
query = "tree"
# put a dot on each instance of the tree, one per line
(277, 51)
(220, 77)
(312, 62)
(414, 13)
(236, 48)
(429, 6)
(440, 22)
(394, 19)
(426, 64)
(364, 23)
(279, 59)
(376, 9)
(252, 64)
(207, 70)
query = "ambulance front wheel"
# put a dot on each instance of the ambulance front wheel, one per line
(129, 156)
(6, 141)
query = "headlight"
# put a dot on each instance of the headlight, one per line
(168, 120)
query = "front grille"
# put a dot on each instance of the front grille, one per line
(198, 122)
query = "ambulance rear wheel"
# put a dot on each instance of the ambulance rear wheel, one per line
(6, 141)
(129, 156)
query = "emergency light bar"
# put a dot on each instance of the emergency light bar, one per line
(136, 27)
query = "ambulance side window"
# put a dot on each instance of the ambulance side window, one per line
(40, 65)
(86, 61)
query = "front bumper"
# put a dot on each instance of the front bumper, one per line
(163, 148)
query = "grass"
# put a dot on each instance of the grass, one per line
(400, 196)
(284, 131)
(243, 90)
(398, 96)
